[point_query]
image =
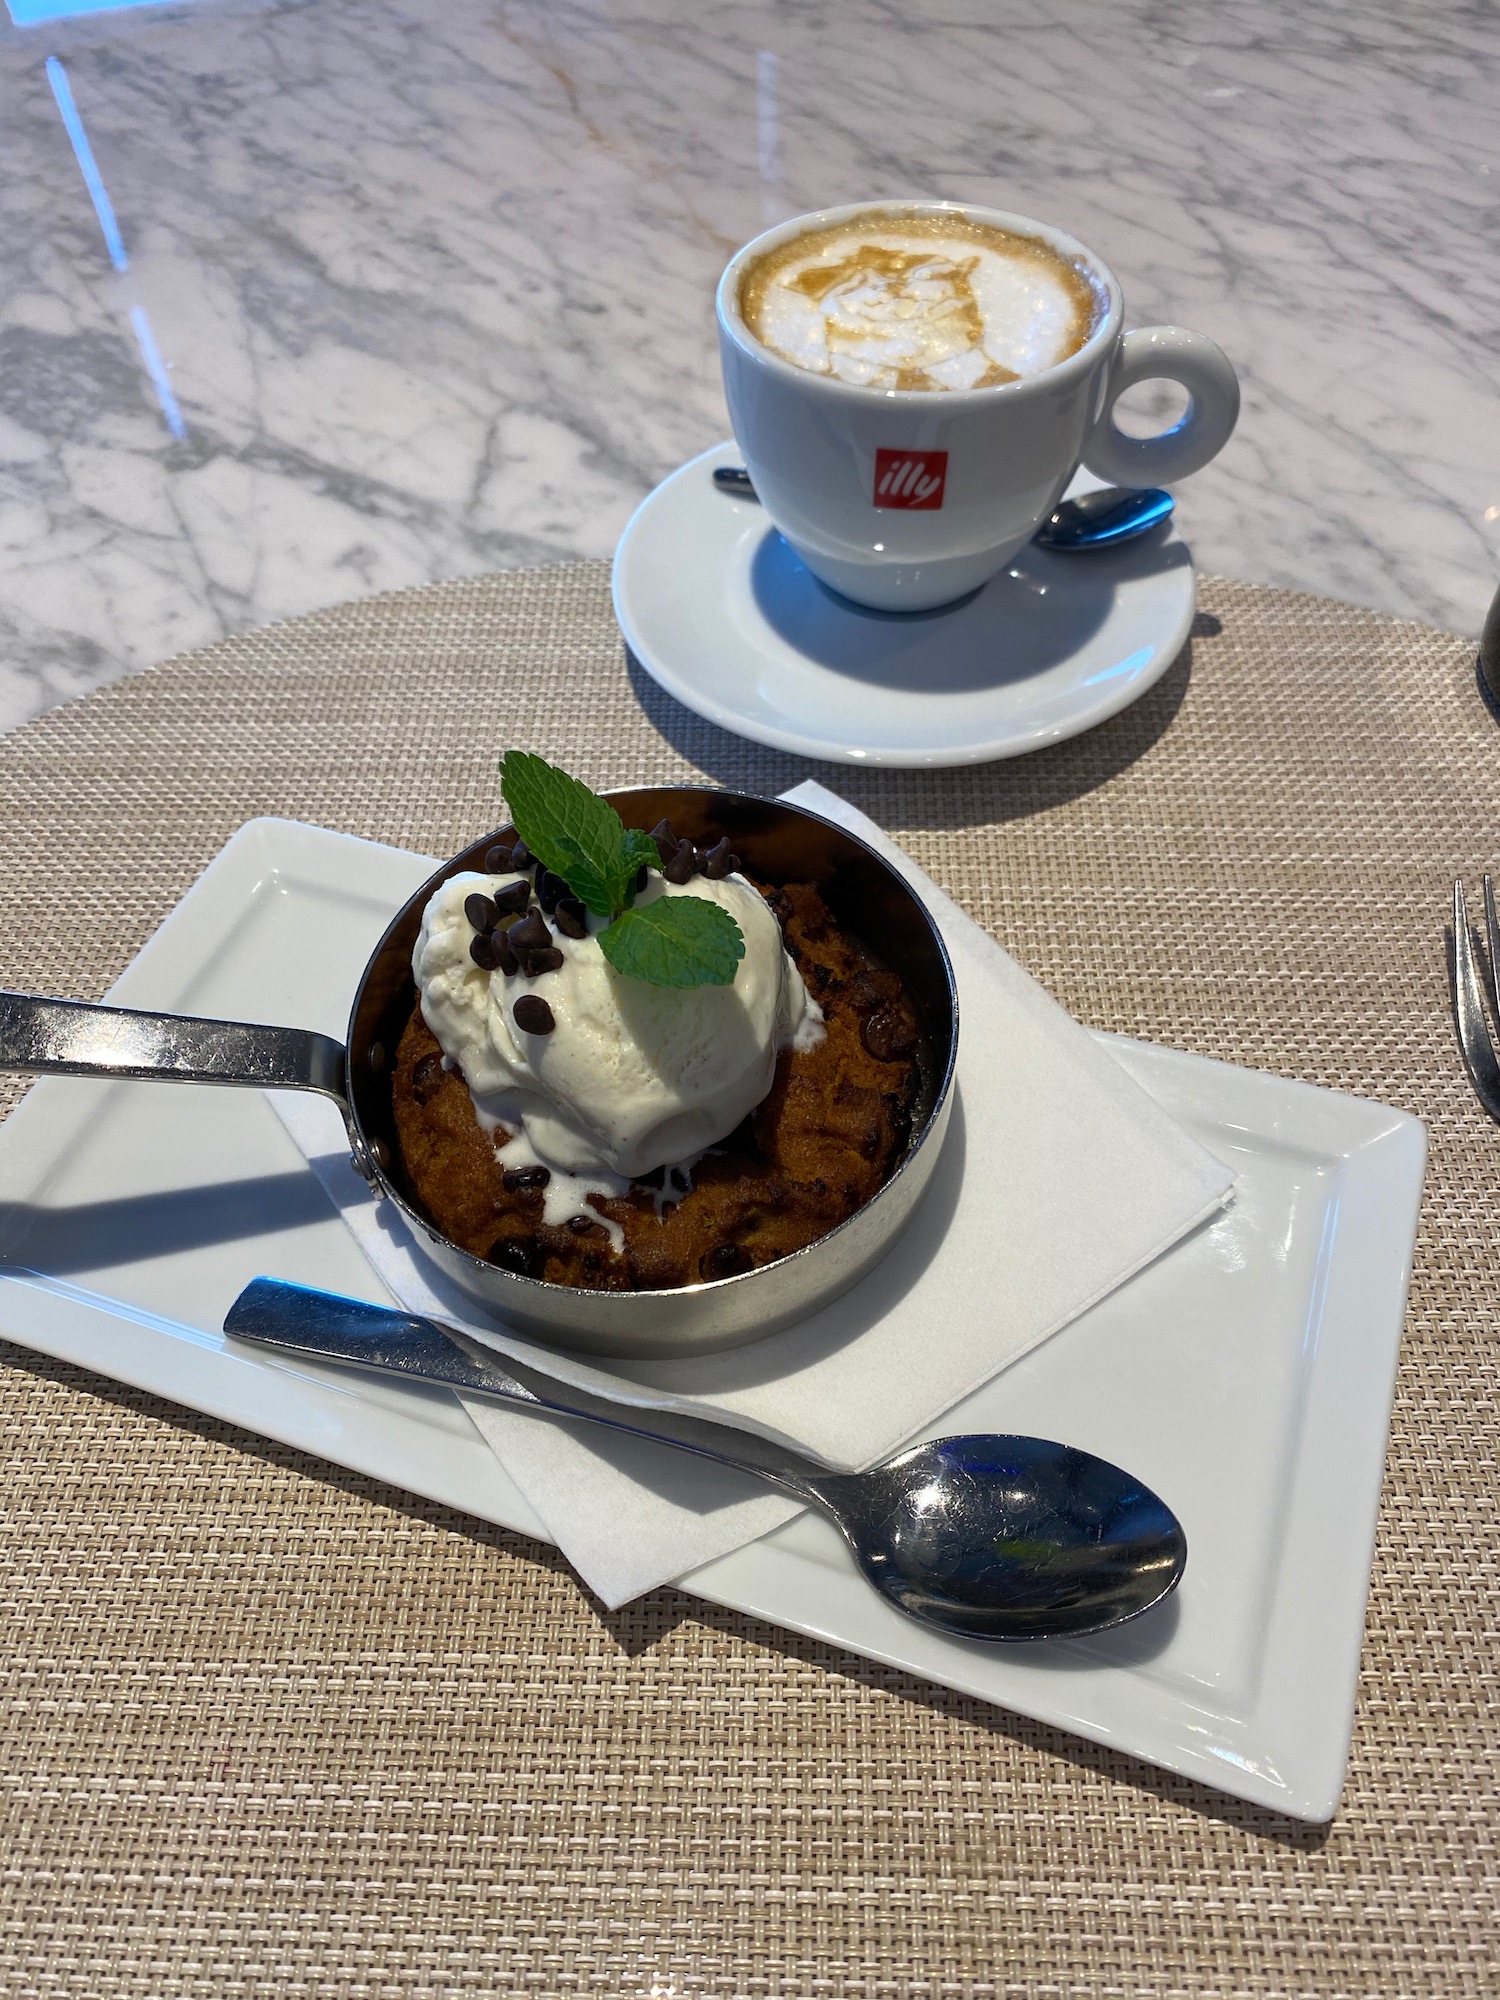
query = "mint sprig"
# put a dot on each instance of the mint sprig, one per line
(681, 941)
(675, 941)
(572, 831)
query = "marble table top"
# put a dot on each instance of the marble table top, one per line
(320, 297)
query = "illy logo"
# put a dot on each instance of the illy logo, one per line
(910, 478)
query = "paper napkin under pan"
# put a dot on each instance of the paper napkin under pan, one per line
(1060, 1177)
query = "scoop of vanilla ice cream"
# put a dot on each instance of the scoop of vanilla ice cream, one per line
(632, 1076)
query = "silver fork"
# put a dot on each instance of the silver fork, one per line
(1470, 982)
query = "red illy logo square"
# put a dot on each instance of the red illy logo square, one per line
(910, 478)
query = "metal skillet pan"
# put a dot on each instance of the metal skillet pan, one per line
(776, 843)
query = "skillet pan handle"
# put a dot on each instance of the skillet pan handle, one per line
(80, 1040)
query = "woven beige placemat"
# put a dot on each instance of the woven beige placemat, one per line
(269, 1728)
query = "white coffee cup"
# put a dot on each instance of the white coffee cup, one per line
(974, 472)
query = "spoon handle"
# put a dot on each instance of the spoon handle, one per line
(300, 1320)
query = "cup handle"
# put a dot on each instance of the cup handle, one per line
(1204, 370)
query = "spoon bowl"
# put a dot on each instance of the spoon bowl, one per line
(1104, 518)
(1009, 1537)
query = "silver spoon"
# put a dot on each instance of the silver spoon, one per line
(989, 1537)
(1104, 518)
(1099, 520)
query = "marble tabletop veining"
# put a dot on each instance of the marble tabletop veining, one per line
(315, 298)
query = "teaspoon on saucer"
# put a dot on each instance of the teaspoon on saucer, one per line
(1098, 520)
(1104, 518)
(986, 1537)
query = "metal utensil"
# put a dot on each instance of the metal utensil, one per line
(734, 479)
(990, 1537)
(779, 843)
(1469, 983)
(1098, 520)
(1104, 518)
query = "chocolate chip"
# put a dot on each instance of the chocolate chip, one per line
(526, 1180)
(512, 901)
(571, 918)
(683, 866)
(481, 912)
(521, 1254)
(484, 950)
(719, 862)
(533, 1015)
(427, 1074)
(869, 990)
(666, 840)
(530, 934)
(781, 906)
(583, 1225)
(521, 857)
(550, 889)
(498, 861)
(900, 1122)
(725, 1260)
(535, 963)
(506, 961)
(889, 1035)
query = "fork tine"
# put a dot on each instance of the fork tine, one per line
(1489, 970)
(1475, 1045)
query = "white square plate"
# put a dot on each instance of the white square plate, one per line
(1246, 1376)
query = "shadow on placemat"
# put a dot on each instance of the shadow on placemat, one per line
(973, 795)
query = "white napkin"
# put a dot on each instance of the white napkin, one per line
(1059, 1178)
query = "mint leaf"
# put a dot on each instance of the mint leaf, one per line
(675, 941)
(570, 830)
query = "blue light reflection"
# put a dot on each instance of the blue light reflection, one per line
(1131, 665)
(31, 13)
(156, 368)
(83, 152)
(114, 242)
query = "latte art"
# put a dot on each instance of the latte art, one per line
(892, 301)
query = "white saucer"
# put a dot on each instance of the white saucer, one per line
(719, 611)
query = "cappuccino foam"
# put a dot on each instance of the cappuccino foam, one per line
(892, 301)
